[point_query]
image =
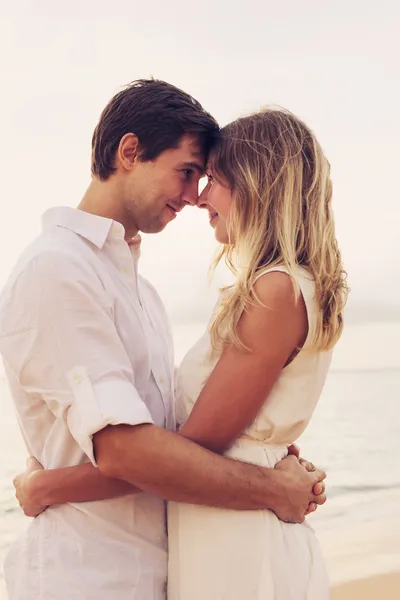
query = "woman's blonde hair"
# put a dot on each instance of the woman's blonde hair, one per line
(281, 215)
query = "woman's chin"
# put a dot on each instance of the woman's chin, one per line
(221, 235)
(222, 238)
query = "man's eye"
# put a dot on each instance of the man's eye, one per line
(187, 172)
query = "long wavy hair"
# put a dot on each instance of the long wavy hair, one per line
(281, 215)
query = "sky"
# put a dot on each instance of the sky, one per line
(333, 64)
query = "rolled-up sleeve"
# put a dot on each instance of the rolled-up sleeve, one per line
(59, 340)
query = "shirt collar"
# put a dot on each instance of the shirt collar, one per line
(93, 228)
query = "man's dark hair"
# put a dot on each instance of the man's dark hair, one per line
(158, 113)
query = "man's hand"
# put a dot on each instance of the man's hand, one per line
(23, 488)
(319, 487)
(301, 490)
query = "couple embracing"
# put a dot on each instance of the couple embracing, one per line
(88, 355)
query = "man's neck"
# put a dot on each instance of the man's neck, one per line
(102, 198)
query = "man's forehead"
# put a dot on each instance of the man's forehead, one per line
(191, 152)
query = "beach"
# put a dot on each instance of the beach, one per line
(364, 561)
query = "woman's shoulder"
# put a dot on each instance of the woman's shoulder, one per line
(273, 285)
(284, 280)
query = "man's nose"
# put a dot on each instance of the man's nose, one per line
(191, 194)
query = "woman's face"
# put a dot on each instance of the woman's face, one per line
(217, 199)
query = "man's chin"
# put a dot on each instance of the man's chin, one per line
(154, 227)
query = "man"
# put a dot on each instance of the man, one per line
(89, 359)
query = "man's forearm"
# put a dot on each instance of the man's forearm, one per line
(170, 466)
(83, 483)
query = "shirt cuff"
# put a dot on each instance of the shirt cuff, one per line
(94, 406)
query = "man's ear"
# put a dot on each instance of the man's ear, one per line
(128, 151)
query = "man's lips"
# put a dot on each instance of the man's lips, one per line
(174, 209)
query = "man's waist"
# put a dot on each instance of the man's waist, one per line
(126, 519)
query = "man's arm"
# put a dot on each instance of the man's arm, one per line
(170, 466)
(36, 489)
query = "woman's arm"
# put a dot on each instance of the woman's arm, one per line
(37, 488)
(242, 380)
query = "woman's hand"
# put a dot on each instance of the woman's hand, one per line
(24, 488)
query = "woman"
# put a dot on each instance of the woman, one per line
(248, 388)
(250, 385)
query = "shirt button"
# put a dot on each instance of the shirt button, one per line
(126, 270)
(78, 378)
(161, 380)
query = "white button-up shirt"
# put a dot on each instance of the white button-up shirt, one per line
(86, 343)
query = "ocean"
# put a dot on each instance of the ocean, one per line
(354, 436)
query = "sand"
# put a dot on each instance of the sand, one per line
(380, 587)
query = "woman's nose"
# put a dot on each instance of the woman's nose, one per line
(203, 198)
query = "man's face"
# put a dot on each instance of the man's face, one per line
(155, 191)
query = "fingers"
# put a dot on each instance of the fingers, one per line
(309, 466)
(291, 458)
(320, 499)
(319, 488)
(294, 450)
(312, 507)
(318, 475)
(32, 463)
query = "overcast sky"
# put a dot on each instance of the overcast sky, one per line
(334, 64)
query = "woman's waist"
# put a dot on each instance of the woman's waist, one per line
(257, 452)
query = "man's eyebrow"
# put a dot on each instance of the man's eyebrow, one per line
(194, 165)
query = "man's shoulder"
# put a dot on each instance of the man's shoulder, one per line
(50, 256)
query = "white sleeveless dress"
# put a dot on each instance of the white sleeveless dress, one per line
(217, 554)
